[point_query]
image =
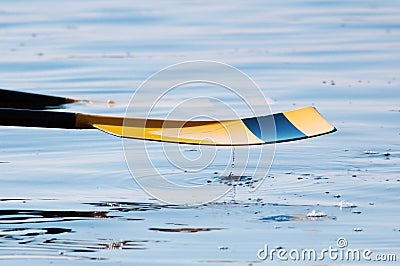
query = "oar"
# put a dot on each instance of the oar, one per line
(33, 101)
(26, 100)
(281, 127)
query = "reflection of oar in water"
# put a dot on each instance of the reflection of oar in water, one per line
(33, 101)
(281, 127)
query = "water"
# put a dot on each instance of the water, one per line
(67, 196)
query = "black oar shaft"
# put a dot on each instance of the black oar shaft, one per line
(34, 118)
(26, 100)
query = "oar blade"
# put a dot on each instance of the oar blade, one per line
(219, 133)
(309, 121)
(289, 126)
(282, 127)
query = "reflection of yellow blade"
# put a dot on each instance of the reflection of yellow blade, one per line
(281, 127)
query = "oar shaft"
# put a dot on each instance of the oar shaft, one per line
(34, 118)
(26, 100)
(52, 119)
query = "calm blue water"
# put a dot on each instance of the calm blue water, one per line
(66, 197)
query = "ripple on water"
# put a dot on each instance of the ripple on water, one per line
(25, 216)
(34, 234)
(298, 217)
(280, 218)
(185, 229)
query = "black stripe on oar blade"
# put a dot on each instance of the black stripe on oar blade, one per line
(26, 100)
(35, 118)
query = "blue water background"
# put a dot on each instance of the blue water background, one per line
(68, 195)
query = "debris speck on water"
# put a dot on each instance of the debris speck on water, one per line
(316, 214)
(191, 150)
(370, 152)
(345, 204)
(114, 245)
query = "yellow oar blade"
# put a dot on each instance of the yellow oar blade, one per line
(309, 121)
(281, 127)
(205, 133)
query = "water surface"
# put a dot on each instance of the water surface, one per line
(68, 195)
